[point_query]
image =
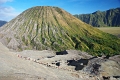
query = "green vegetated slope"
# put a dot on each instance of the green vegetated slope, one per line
(102, 18)
(45, 27)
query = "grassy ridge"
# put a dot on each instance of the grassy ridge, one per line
(102, 18)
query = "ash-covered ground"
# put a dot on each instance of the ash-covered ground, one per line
(51, 65)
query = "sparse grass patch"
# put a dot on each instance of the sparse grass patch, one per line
(112, 30)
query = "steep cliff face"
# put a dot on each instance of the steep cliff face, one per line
(45, 27)
(101, 19)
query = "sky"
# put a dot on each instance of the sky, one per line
(9, 9)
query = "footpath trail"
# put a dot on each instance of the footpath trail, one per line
(41, 65)
(14, 66)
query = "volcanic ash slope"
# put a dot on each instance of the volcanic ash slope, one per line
(46, 27)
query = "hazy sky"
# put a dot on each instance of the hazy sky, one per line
(9, 9)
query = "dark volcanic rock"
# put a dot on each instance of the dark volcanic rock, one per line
(62, 52)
